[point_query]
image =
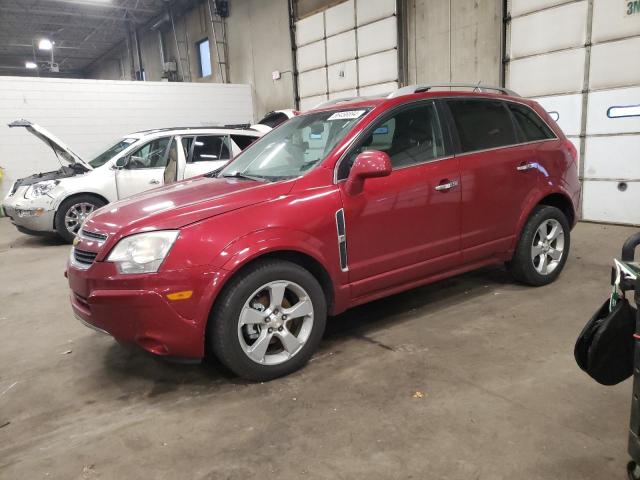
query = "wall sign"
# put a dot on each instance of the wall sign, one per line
(633, 7)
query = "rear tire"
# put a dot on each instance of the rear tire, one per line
(268, 320)
(72, 212)
(543, 247)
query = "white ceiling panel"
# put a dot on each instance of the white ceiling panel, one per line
(612, 157)
(549, 30)
(604, 202)
(520, 7)
(343, 94)
(611, 20)
(343, 76)
(311, 102)
(378, 89)
(310, 29)
(554, 73)
(378, 68)
(566, 110)
(615, 64)
(311, 56)
(313, 82)
(614, 111)
(340, 18)
(341, 47)
(378, 36)
(371, 10)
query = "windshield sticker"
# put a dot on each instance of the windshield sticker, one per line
(348, 115)
(129, 141)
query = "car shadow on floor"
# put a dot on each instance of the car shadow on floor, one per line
(124, 364)
(37, 241)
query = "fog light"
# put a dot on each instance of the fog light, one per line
(38, 212)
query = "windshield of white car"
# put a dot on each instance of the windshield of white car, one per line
(111, 152)
(295, 147)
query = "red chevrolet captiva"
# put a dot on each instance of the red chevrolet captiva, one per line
(347, 203)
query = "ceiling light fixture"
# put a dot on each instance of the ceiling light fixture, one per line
(45, 44)
(30, 65)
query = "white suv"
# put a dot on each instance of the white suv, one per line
(59, 201)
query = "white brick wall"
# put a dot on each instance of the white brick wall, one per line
(89, 115)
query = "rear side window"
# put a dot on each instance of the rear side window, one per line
(273, 119)
(482, 124)
(210, 149)
(531, 125)
(243, 141)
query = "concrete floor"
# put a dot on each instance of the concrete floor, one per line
(503, 398)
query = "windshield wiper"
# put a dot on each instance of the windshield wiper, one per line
(255, 178)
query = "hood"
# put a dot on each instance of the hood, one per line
(181, 203)
(62, 151)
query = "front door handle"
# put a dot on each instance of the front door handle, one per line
(154, 182)
(526, 166)
(443, 187)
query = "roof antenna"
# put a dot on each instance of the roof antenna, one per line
(477, 87)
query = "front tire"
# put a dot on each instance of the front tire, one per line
(72, 212)
(543, 247)
(268, 320)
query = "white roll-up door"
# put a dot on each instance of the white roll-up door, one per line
(347, 50)
(581, 61)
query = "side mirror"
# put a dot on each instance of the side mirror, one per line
(368, 164)
(121, 163)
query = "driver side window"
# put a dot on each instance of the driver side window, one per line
(409, 137)
(150, 155)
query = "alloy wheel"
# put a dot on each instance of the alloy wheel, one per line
(547, 247)
(76, 215)
(275, 322)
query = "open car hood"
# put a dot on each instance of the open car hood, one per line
(62, 151)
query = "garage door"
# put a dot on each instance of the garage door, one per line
(579, 59)
(347, 50)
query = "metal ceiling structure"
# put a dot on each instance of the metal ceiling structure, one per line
(83, 31)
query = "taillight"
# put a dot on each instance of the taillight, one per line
(572, 149)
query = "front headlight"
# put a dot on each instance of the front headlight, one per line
(41, 188)
(143, 252)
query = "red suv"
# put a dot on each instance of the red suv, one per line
(345, 204)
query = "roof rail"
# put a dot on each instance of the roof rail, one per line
(335, 101)
(477, 87)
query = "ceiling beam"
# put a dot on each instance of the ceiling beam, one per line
(30, 12)
(106, 6)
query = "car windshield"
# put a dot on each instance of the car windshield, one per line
(111, 152)
(295, 147)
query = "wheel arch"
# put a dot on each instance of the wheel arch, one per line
(304, 259)
(563, 203)
(74, 195)
(558, 199)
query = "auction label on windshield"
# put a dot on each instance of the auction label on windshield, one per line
(347, 115)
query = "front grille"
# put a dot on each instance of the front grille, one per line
(84, 257)
(93, 235)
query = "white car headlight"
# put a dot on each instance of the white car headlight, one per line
(41, 188)
(142, 252)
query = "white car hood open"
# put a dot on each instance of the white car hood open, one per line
(62, 151)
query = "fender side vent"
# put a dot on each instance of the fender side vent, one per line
(342, 240)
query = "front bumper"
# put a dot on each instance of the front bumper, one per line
(135, 308)
(30, 216)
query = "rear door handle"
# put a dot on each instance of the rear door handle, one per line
(154, 182)
(526, 166)
(443, 187)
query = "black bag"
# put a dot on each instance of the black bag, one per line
(604, 348)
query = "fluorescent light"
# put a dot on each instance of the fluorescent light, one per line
(45, 44)
(30, 65)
